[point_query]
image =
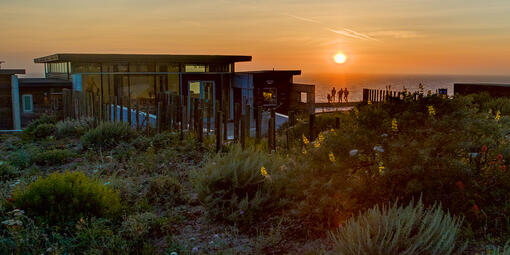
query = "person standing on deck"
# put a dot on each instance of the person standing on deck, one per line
(329, 98)
(333, 94)
(340, 93)
(346, 94)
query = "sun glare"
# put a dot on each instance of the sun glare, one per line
(340, 58)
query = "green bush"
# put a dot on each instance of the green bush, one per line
(44, 119)
(44, 130)
(7, 171)
(64, 197)
(21, 158)
(165, 190)
(108, 135)
(73, 128)
(399, 230)
(53, 157)
(428, 155)
(233, 188)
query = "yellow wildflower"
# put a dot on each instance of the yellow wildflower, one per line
(303, 151)
(332, 157)
(498, 115)
(317, 144)
(332, 130)
(394, 125)
(263, 171)
(320, 138)
(432, 111)
(369, 102)
(305, 140)
(381, 168)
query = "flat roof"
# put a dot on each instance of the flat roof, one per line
(44, 82)
(12, 71)
(151, 58)
(483, 84)
(290, 72)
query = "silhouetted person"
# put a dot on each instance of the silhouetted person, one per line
(333, 94)
(329, 98)
(346, 94)
(340, 93)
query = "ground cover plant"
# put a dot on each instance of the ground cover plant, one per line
(131, 192)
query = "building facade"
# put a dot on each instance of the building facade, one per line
(129, 78)
(274, 89)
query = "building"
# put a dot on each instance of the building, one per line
(126, 79)
(273, 89)
(495, 90)
(129, 78)
(25, 99)
(10, 99)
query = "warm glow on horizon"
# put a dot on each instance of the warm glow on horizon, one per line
(385, 36)
(340, 58)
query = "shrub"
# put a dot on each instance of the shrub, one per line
(44, 119)
(73, 128)
(63, 197)
(165, 190)
(399, 230)
(53, 157)
(7, 171)
(44, 130)
(233, 188)
(21, 158)
(108, 135)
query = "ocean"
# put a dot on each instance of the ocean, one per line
(355, 83)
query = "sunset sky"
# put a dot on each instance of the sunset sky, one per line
(378, 36)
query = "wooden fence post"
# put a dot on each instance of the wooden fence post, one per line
(218, 120)
(158, 118)
(311, 124)
(137, 117)
(258, 125)
(273, 129)
(243, 131)
(247, 114)
(237, 109)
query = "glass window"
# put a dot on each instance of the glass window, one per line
(195, 68)
(28, 104)
(269, 95)
(304, 97)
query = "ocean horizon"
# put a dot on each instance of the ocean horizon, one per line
(355, 83)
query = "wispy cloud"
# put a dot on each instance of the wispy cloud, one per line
(303, 18)
(352, 34)
(399, 34)
(345, 32)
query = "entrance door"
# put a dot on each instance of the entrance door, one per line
(201, 90)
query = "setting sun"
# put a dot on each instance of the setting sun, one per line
(340, 58)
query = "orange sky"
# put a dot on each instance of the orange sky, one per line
(383, 36)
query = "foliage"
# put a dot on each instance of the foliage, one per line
(108, 135)
(73, 128)
(63, 197)
(399, 230)
(429, 154)
(241, 186)
(165, 190)
(7, 171)
(53, 157)
(32, 130)
(44, 130)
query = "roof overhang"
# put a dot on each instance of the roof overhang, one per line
(12, 71)
(280, 72)
(141, 58)
(44, 82)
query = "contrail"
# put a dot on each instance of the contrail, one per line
(303, 18)
(345, 32)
